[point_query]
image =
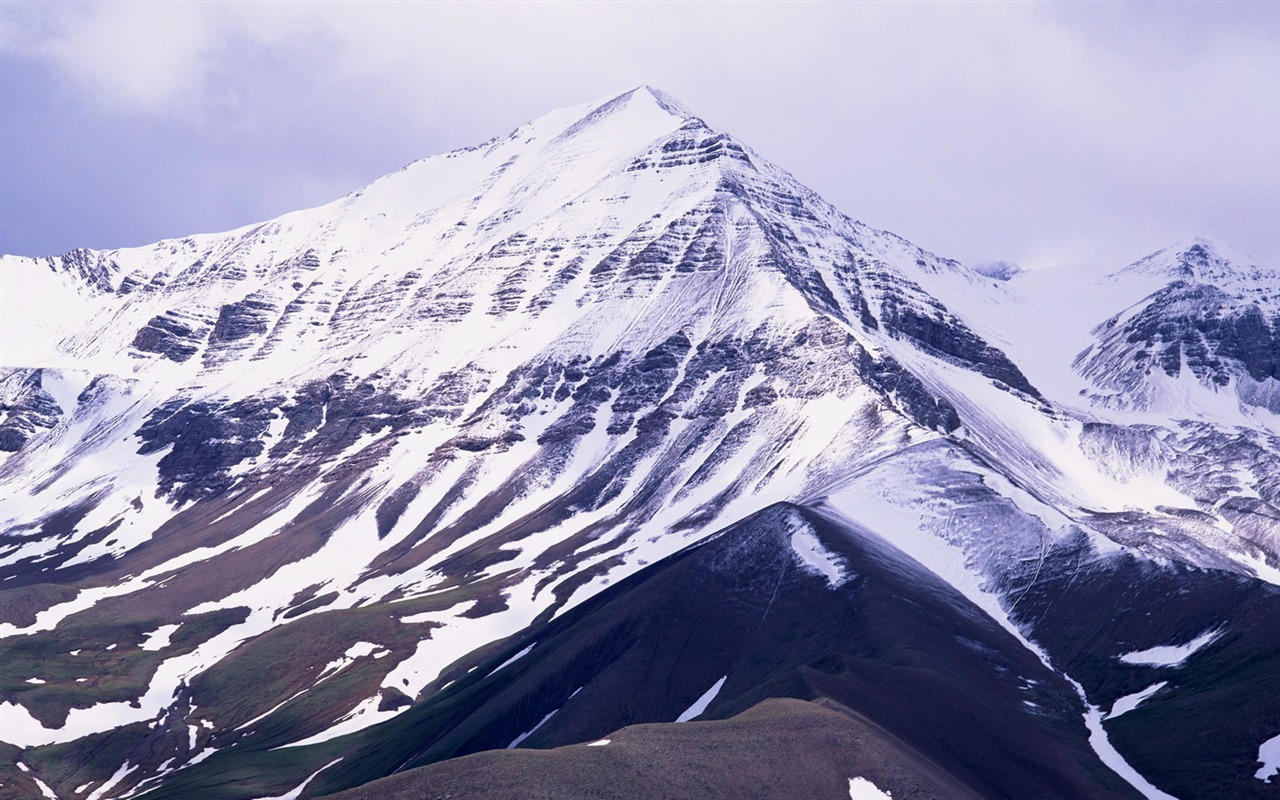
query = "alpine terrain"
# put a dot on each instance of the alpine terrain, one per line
(604, 459)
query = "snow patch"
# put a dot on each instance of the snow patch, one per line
(1171, 655)
(1269, 755)
(815, 558)
(516, 741)
(159, 638)
(1131, 701)
(863, 789)
(1107, 752)
(515, 658)
(600, 743)
(44, 787)
(365, 713)
(119, 775)
(700, 705)
(297, 792)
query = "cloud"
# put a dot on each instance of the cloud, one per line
(138, 56)
(1026, 131)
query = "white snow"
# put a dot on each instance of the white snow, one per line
(296, 792)
(1111, 757)
(1129, 702)
(700, 705)
(911, 527)
(600, 743)
(1171, 655)
(1107, 752)
(159, 638)
(36, 681)
(120, 774)
(516, 741)
(1269, 756)
(201, 756)
(365, 713)
(863, 789)
(814, 557)
(44, 787)
(516, 657)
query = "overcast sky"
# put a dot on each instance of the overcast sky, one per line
(1039, 133)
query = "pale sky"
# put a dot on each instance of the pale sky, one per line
(1038, 133)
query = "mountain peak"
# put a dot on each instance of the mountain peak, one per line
(642, 107)
(664, 101)
(397, 435)
(1198, 260)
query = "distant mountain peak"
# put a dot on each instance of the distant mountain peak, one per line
(999, 270)
(1197, 260)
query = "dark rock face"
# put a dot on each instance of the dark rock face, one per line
(949, 338)
(171, 335)
(1214, 335)
(207, 442)
(999, 270)
(695, 143)
(645, 383)
(1226, 687)
(93, 269)
(240, 328)
(210, 438)
(1246, 339)
(915, 400)
(241, 320)
(26, 408)
(1197, 325)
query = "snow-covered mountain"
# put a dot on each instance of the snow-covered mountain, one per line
(282, 504)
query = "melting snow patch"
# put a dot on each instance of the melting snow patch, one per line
(1269, 755)
(1170, 655)
(600, 743)
(365, 713)
(119, 775)
(863, 789)
(1131, 701)
(36, 681)
(44, 787)
(159, 638)
(201, 756)
(700, 705)
(514, 658)
(1111, 757)
(816, 558)
(516, 741)
(434, 616)
(297, 792)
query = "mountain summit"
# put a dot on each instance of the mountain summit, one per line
(436, 468)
